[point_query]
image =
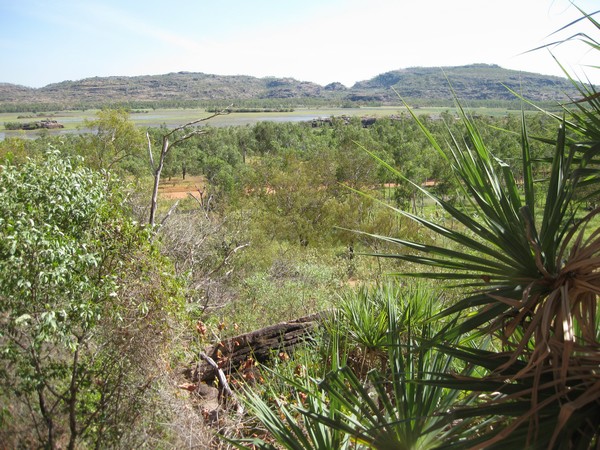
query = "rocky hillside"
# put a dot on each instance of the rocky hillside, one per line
(473, 82)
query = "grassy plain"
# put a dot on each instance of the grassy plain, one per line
(73, 121)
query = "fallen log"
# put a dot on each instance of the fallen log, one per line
(260, 345)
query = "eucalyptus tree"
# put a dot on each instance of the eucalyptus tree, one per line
(114, 141)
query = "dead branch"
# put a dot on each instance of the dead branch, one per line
(171, 209)
(225, 261)
(223, 112)
(196, 198)
(223, 382)
(166, 147)
(200, 200)
(150, 151)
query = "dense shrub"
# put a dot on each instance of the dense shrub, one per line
(84, 300)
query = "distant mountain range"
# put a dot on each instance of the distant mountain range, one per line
(472, 82)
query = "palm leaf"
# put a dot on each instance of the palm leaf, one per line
(536, 280)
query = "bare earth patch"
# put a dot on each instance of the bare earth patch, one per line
(177, 188)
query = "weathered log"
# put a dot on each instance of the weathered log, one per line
(260, 345)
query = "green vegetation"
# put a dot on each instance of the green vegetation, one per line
(85, 299)
(453, 256)
(268, 236)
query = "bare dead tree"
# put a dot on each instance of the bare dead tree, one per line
(203, 245)
(166, 146)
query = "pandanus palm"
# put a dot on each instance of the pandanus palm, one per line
(535, 279)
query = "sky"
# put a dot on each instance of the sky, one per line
(322, 41)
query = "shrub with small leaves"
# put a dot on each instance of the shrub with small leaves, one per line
(83, 298)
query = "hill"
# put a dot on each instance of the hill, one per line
(472, 82)
(477, 82)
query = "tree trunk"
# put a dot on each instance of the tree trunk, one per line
(161, 162)
(260, 345)
(72, 403)
(47, 418)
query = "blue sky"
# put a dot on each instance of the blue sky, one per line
(44, 42)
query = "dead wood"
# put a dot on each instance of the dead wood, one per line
(260, 345)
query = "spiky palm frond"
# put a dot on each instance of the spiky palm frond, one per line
(536, 275)
(583, 112)
(388, 408)
(287, 419)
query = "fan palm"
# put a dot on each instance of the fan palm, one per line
(387, 408)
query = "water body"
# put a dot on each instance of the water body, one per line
(74, 120)
(38, 133)
(157, 120)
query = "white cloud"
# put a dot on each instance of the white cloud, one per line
(335, 40)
